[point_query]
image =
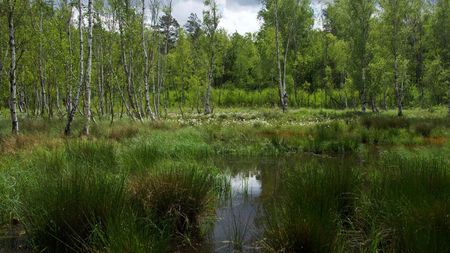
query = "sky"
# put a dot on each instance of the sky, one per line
(237, 15)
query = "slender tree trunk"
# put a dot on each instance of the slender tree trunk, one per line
(181, 102)
(127, 70)
(210, 82)
(285, 98)
(101, 92)
(37, 105)
(136, 90)
(124, 102)
(148, 109)
(44, 102)
(155, 84)
(58, 100)
(68, 129)
(111, 106)
(22, 99)
(398, 95)
(101, 78)
(213, 23)
(12, 70)
(183, 95)
(87, 84)
(69, 104)
(373, 105)
(395, 51)
(363, 91)
(155, 57)
(159, 86)
(281, 90)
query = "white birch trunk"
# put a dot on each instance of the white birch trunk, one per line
(12, 70)
(71, 115)
(87, 85)
(281, 91)
(148, 109)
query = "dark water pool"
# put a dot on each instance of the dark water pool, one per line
(255, 182)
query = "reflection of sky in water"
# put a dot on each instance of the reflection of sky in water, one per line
(246, 184)
(253, 182)
(236, 227)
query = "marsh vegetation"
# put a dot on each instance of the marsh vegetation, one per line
(250, 181)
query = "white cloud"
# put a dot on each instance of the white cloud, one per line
(235, 17)
(183, 8)
(242, 19)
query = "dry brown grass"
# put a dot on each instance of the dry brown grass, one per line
(14, 144)
(438, 140)
(123, 132)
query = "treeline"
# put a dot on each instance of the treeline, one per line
(99, 58)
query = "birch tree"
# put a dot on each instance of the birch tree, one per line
(87, 85)
(394, 14)
(211, 19)
(360, 13)
(169, 28)
(154, 10)
(148, 109)
(441, 35)
(12, 68)
(281, 86)
(45, 108)
(68, 129)
(291, 19)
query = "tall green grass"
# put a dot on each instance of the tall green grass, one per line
(79, 200)
(61, 211)
(409, 202)
(400, 203)
(143, 153)
(308, 216)
(183, 198)
(98, 155)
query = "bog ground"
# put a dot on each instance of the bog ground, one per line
(237, 180)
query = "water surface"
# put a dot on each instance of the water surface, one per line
(255, 182)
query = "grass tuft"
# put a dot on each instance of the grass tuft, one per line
(181, 198)
(306, 219)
